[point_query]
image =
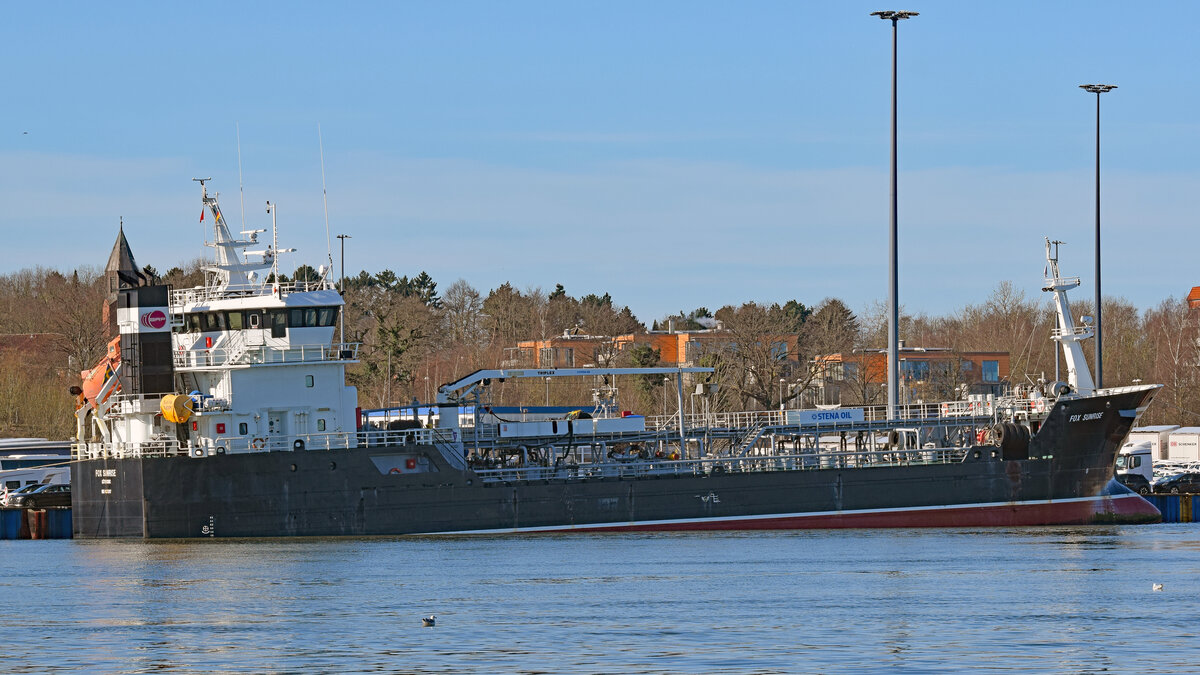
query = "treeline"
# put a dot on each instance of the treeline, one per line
(414, 336)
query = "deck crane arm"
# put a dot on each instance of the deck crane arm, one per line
(461, 389)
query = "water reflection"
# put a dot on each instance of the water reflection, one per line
(1058, 599)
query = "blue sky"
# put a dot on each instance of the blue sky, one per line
(673, 154)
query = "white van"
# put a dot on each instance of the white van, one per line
(19, 470)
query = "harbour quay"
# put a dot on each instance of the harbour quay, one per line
(1175, 508)
(50, 523)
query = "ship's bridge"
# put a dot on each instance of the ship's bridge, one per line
(217, 328)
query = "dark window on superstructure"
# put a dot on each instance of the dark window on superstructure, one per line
(279, 323)
(243, 428)
(312, 317)
(254, 319)
(308, 380)
(233, 320)
(214, 321)
(195, 323)
(320, 425)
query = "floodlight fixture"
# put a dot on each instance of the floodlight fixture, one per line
(895, 16)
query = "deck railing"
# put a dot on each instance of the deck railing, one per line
(204, 294)
(241, 354)
(753, 463)
(170, 447)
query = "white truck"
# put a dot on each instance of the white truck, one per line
(1157, 436)
(1135, 466)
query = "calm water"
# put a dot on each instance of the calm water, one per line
(1019, 600)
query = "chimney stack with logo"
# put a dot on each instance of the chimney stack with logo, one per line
(140, 313)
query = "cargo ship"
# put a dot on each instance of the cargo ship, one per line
(223, 411)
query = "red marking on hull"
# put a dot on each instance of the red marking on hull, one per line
(1118, 509)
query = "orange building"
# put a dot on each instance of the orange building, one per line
(676, 348)
(1193, 298)
(926, 374)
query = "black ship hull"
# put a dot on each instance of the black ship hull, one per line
(1066, 479)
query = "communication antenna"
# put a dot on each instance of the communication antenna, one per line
(325, 197)
(274, 248)
(241, 188)
(204, 201)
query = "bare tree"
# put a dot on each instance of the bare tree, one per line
(462, 313)
(757, 355)
(1172, 329)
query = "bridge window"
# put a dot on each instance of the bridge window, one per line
(308, 380)
(234, 320)
(279, 323)
(311, 317)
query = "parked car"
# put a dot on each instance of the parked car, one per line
(1135, 481)
(11, 494)
(57, 494)
(1184, 482)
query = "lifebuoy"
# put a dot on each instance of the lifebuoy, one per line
(1039, 404)
(395, 469)
(258, 443)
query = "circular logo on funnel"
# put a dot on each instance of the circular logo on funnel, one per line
(154, 319)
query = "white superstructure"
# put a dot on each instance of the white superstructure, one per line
(253, 364)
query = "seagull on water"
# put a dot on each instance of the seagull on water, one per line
(1157, 587)
(428, 621)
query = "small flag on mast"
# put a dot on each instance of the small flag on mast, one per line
(202, 215)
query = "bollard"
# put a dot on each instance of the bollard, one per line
(37, 523)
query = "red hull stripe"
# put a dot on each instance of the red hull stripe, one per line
(1077, 511)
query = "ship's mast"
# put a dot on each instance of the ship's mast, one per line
(230, 272)
(1067, 333)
